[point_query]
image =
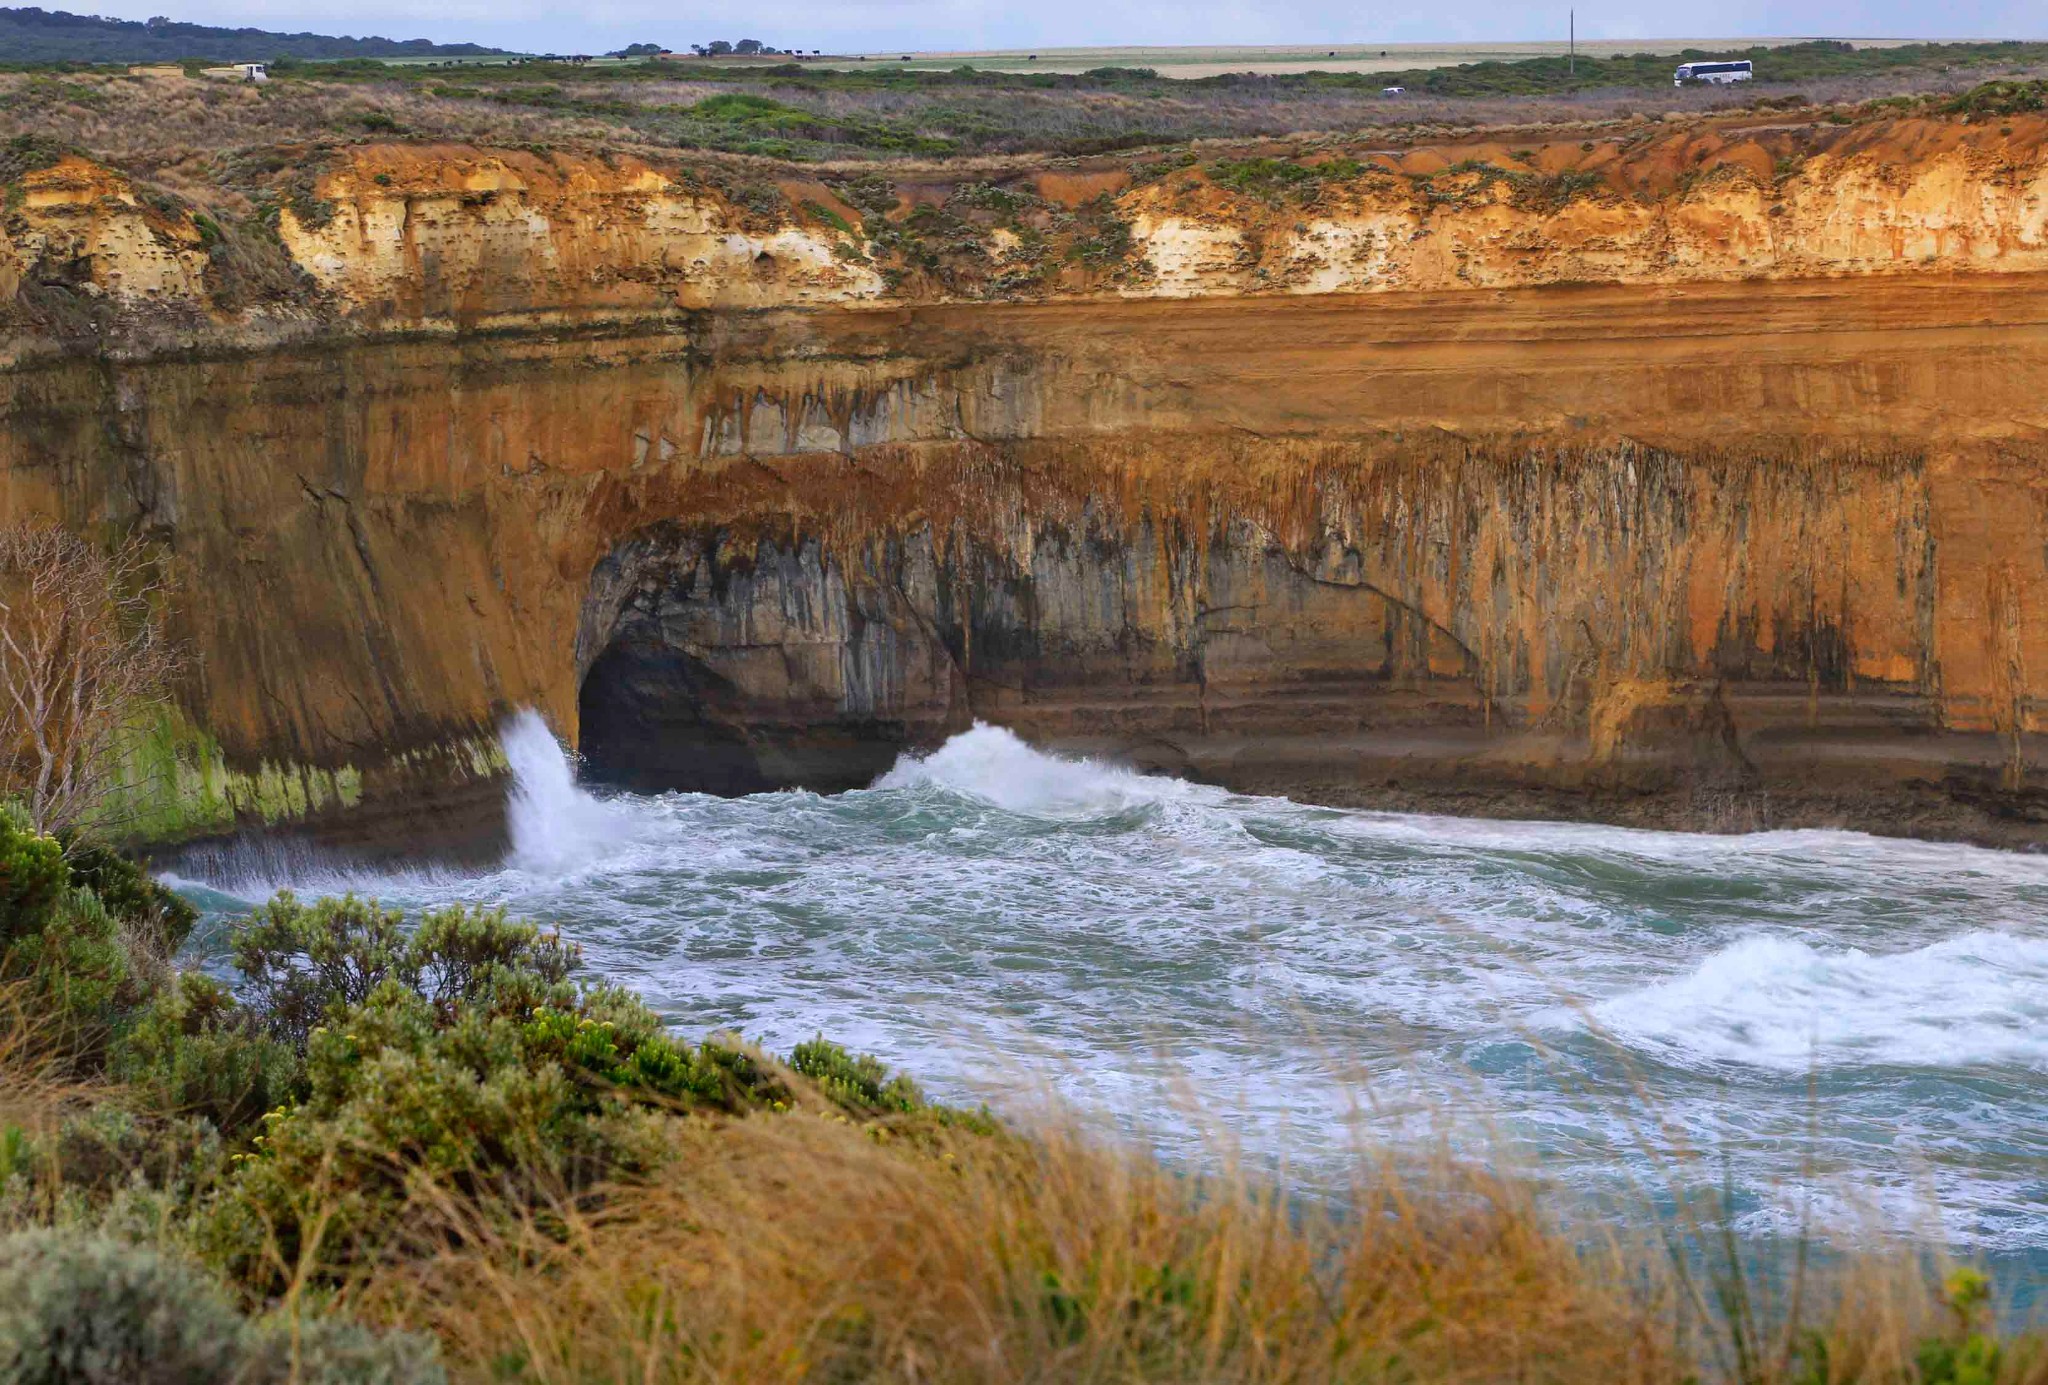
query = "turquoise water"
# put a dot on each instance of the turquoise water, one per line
(1852, 1030)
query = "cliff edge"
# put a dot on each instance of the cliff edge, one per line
(1684, 473)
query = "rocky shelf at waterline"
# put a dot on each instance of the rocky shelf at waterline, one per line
(1691, 476)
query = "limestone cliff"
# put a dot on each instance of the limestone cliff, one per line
(1686, 474)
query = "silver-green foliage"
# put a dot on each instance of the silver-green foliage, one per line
(87, 1309)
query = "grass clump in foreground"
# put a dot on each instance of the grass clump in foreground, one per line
(415, 1150)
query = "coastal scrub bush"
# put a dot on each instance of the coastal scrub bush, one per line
(361, 1058)
(87, 1309)
(329, 1350)
(458, 1053)
(194, 1050)
(1999, 99)
(107, 1150)
(90, 1309)
(33, 878)
(1278, 180)
(30, 153)
(78, 965)
(155, 914)
(862, 1083)
(90, 935)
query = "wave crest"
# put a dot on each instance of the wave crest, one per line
(993, 765)
(1975, 998)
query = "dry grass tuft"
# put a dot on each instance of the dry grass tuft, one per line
(808, 1249)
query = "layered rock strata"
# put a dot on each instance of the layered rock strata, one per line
(1682, 482)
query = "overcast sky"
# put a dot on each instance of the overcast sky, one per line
(870, 25)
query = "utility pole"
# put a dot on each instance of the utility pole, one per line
(1571, 62)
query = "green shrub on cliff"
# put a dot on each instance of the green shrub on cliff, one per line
(459, 1053)
(193, 1049)
(33, 877)
(83, 1309)
(69, 958)
(2002, 98)
(306, 962)
(861, 1083)
(89, 935)
(288, 1125)
(30, 153)
(1282, 180)
(158, 915)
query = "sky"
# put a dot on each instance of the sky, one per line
(872, 25)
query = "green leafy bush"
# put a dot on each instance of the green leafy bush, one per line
(195, 1051)
(1999, 99)
(155, 913)
(290, 1120)
(108, 1148)
(87, 930)
(80, 968)
(305, 962)
(33, 878)
(462, 1052)
(862, 1083)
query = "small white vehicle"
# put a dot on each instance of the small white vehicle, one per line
(239, 72)
(1393, 91)
(1716, 74)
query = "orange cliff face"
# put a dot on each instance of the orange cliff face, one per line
(1692, 476)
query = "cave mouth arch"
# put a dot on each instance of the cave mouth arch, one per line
(726, 670)
(646, 726)
(657, 719)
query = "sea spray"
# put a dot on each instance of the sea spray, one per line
(555, 827)
(994, 918)
(993, 765)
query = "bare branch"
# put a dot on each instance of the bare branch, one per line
(83, 664)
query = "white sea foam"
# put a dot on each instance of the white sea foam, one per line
(992, 899)
(991, 764)
(556, 827)
(1975, 998)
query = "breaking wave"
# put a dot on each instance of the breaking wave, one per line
(992, 765)
(989, 915)
(555, 826)
(1976, 998)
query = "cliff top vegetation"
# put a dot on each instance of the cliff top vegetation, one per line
(201, 175)
(793, 112)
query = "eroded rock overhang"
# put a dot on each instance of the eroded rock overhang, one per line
(1710, 551)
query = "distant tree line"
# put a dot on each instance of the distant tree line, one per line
(32, 35)
(745, 48)
(717, 48)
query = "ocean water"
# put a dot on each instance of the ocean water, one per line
(1851, 1032)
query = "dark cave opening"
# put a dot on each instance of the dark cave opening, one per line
(643, 710)
(656, 719)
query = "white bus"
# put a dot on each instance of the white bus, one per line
(1717, 73)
